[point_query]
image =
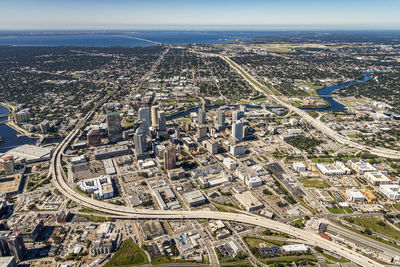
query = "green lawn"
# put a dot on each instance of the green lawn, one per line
(322, 160)
(314, 182)
(94, 218)
(376, 225)
(332, 258)
(219, 102)
(128, 255)
(303, 260)
(397, 206)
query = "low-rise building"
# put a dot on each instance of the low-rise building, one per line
(337, 168)
(299, 167)
(79, 159)
(108, 152)
(362, 166)
(296, 248)
(391, 191)
(229, 163)
(195, 198)
(101, 187)
(176, 173)
(249, 201)
(352, 194)
(377, 178)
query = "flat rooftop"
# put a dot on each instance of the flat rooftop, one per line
(31, 153)
(10, 184)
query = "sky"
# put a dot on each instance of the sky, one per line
(200, 14)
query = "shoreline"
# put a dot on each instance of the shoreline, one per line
(14, 126)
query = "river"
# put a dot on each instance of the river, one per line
(327, 91)
(11, 140)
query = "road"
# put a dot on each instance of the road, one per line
(57, 173)
(383, 152)
(131, 213)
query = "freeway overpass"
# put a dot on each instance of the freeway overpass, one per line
(310, 238)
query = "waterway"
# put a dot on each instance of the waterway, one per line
(11, 140)
(326, 94)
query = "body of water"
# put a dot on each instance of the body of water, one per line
(326, 92)
(126, 38)
(11, 140)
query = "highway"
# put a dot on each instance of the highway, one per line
(382, 152)
(311, 238)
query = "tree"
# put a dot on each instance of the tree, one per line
(319, 249)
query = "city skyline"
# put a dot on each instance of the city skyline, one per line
(206, 15)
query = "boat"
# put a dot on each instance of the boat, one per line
(1, 139)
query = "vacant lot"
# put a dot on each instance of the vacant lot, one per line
(376, 225)
(128, 255)
(314, 182)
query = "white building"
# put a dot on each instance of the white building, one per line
(248, 176)
(79, 159)
(354, 195)
(254, 181)
(249, 201)
(229, 163)
(377, 178)
(299, 167)
(362, 166)
(337, 168)
(297, 248)
(109, 166)
(101, 187)
(391, 191)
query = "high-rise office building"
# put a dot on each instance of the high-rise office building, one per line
(94, 137)
(114, 126)
(140, 143)
(12, 244)
(44, 126)
(237, 130)
(144, 116)
(245, 131)
(170, 157)
(221, 118)
(235, 115)
(201, 132)
(162, 121)
(154, 116)
(201, 116)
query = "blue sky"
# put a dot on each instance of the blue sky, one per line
(216, 14)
